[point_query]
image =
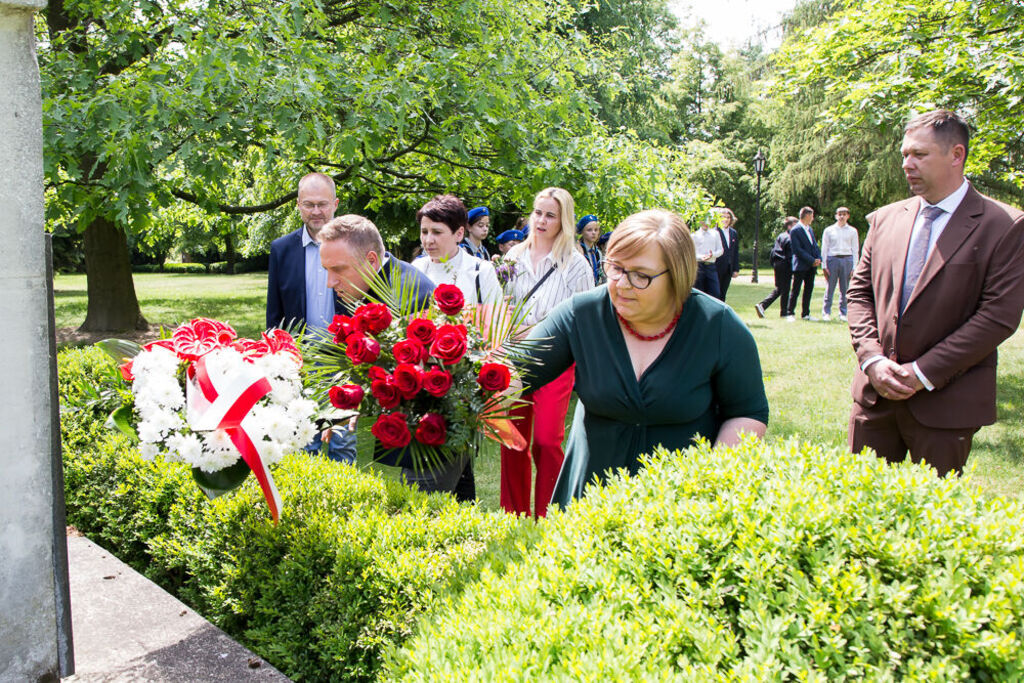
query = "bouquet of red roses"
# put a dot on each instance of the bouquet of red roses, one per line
(431, 380)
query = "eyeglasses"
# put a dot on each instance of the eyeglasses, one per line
(309, 206)
(636, 279)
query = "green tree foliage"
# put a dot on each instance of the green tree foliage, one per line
(871, 65)
(224, 104)
(634, 41)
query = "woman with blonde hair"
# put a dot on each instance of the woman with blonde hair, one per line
(657, 362)
(549, 270)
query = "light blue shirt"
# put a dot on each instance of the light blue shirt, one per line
(319, 298)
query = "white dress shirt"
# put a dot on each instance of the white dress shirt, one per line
(705, 240)
(461, 270)
(839, 241)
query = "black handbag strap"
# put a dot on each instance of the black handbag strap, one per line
(539, 283)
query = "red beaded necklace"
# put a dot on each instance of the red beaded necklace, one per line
(644, 337)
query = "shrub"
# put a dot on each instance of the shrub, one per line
(171, 267)
(757, 563)
(355, 559)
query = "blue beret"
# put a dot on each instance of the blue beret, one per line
(510, 235)
(526, 230)
(476, 212)
(604, 238)
(582, 223)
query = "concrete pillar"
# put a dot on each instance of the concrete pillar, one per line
(34, 636)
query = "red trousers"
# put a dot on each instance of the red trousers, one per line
(543, 418)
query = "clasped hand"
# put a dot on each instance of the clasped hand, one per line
(893, 381)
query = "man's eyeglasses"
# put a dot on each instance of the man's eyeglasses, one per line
(309, 206)
(636, 279)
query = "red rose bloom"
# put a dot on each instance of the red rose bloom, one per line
(449, 344)
(126, 371)
(386, 392)
(422, 330)
(346, 396)
(437, 382)
(432, 431)
(409, 351)
(372, 318)
(449, 299)
(408, 379)
(362, 349)
(392, 431)
(493, 377)
(341, 327)
(377, 372)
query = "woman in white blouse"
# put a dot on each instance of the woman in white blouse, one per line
(548, 270)
(442, 223)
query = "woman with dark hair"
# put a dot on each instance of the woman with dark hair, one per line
(657, 362)
(442, 223)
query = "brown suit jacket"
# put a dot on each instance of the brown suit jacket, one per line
(967, 300)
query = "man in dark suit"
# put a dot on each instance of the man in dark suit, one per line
(806, 259)
(728, 264)
(297, 291)
(940, 284)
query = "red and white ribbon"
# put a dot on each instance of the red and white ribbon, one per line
(221, 401)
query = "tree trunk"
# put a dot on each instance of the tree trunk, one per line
(229, 253)
(113, 305)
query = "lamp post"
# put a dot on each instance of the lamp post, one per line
(759, 161)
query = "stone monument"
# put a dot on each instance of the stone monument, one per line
(35, 633)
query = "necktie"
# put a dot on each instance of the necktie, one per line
(918, 253)
(810, 233)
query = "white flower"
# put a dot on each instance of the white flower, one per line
(149, 450)
(218, 440)
(158, 360)
(271, 452)
(149, 432)
(217, 460)
(305, 430)
(283, 391)
(187, 448)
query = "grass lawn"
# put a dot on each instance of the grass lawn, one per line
(807, 365)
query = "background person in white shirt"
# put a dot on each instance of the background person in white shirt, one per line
(549, 269)
(709, 247)
(840, 247)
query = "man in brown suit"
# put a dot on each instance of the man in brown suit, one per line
(940, 284)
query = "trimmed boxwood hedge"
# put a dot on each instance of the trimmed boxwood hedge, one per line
(756, 563)
(355, 559)
(759, 563)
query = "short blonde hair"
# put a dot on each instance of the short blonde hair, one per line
(357, 232)
(669, 231)
(565, 242)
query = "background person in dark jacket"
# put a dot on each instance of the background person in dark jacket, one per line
(728, 264)
(781, 260)
(806, 259)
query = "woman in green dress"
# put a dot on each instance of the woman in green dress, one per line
(657, 362)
